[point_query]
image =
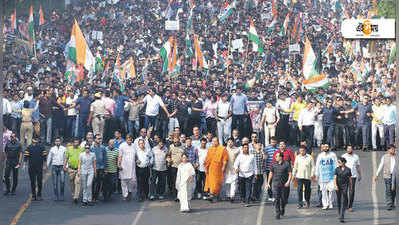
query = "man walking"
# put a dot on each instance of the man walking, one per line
(127, 167)
(71, 164)
(144, 162)
(110, 176)
(270, 151)
(159, 171)
(96, 116)
(56, 158)
(353, 163)
(101, 163)
(35, 156)
(13, 156)
(260, 163)
(269, 121)
(223, 117)
(281, 176)
(244, 165)
(238, 105)
(387, 165)
(324, 171)
(303, 172)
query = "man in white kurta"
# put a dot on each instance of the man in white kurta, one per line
(127, 167)
(230, 179)
(185, 184)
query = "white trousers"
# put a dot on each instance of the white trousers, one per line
(327, 191)
(87, 182)
(270, 131)
(224, 129)
(127, 186)
(173, 123)
(374, 128)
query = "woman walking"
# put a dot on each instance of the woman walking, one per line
(185, 183)
(86, 168)
(342, 181)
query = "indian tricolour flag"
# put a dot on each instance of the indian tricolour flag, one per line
(226, 11)
(284, 27)
(31, 27)
(253, 36)
(73, 73)
(200, 58)
(78, 50)
(329, 48)
(272, 24)
(313, 78)
(356, 72)
(14, 20)
(176, 70)
(99, 67)
(41, 16)
(165, 52)
(128, 69)
(250, 83)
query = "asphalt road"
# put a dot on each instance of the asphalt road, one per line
(369, 208)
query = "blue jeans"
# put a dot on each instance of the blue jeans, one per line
(389, 134)
(58, 175)
(82, 125)
(365, 129)
(245, 187)
(150, 121)
(133, 127)
(70, 126)
(328, 134)
(390, 194)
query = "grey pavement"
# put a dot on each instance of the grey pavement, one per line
(48, 212)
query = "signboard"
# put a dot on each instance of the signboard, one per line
(255, 113)
(294, 49)
(171, 25)
(368, 28)
(237, 44)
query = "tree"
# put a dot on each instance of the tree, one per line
(386, 8)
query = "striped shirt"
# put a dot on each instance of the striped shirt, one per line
(269, 150)
(112, 160)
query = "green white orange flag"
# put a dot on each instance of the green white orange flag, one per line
(250, 83)
(176, 70)
(200, 58)
(329, 48)
(41, 16)
(284, 27)
(356, 72)
(14, 20)
(313, 78)
(128, 69)
(165, 52)
(274, 8)
(226, 10)
(272, 24)
(78, 50)
(99, 67)
(31, 27)
(253, 36)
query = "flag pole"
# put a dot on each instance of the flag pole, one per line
(246, 58)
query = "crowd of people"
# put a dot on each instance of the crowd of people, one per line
(176, 127)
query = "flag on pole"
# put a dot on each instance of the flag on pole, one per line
(274, 7)
(293, 81)
(128, 69)
(172, 58)
(164, 53)
(226, 10)
(283, 30)
(329, 48)
(272, 24)
(356, 72)
(31, 27)
(200, 58)
(313, 78)
(106, 68)
(99, 67)
(41, 16)
(177, 68)
(253, 36)
(14, 20)
(189, 47)
(77, 49)
(73, 73)
(297, 28)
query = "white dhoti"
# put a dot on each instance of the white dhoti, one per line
(185, 185)
(230, 183)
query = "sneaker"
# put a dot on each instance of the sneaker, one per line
(271, 199)
(204, 197)
(152, 197)
(330, 206)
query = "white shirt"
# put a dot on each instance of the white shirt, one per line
(153, 104)
(382, 165)
(56, 156)
(284, 105)
(6, 106)
(145, 158)
(352, 161)
(271, 115)
(245, 164)
(69, 101)
(202, 152)
(223, 109)
(389, 114)
(307, 117)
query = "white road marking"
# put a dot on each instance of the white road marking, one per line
(374, 189)
(262, 205)
(139, 214)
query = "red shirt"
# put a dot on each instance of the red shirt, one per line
(288, 156)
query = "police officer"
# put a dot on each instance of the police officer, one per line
(13, 156)
(96, 116)
(35, 156)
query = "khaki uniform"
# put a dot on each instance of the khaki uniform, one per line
(98, 122)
